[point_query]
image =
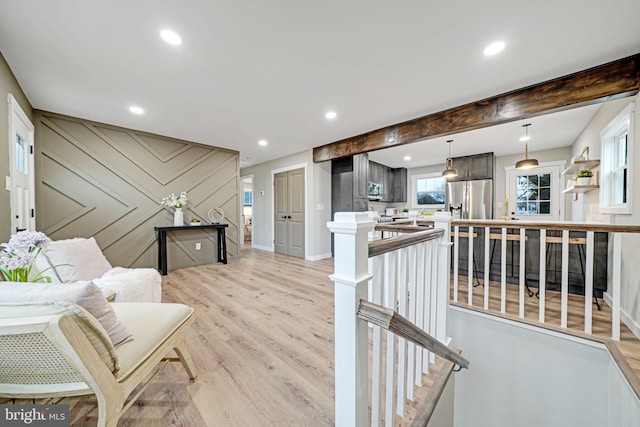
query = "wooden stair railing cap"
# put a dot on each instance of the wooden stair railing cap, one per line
(388, 319)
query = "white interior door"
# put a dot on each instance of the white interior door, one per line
(21, 182)
(535, 194)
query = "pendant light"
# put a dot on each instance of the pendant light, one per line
(526, 163)
(449, 172)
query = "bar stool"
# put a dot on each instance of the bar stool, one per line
(581, 242)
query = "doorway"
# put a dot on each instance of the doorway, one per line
(289, 212)
(247, 210)
(22, 173)
(535, 194)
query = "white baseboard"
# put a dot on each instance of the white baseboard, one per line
(262, 248)
(633, 326)
(318, 257)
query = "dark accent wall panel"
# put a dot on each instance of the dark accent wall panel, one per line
(104, 181)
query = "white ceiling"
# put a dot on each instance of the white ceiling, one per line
(257, 69)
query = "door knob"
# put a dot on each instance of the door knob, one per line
(284, 217)
(289, 217)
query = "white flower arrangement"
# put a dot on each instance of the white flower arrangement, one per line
(17, 257)
(175, 202)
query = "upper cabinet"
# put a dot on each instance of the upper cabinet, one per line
(392, 181)
(478, 166)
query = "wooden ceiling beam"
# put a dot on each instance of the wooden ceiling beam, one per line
(606, 82)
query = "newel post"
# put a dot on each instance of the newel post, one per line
(351, 274)
(442, 220)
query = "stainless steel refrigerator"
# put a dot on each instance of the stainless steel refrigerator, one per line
(470, 199)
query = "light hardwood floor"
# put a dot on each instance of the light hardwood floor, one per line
(263, 346)
(262, 343)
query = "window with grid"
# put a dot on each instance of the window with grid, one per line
(615, 192)
(533, 194)
(428, 191)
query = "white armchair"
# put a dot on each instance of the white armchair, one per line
(81, 259)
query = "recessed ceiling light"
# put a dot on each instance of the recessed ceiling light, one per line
(262, 142)
(171, 37)
(136, 110)
(331, 115)
(407, 158)
(494, 48)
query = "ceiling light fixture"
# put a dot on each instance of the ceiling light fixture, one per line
(494, 48)
(526, 163)
(171, 37)
(262, 142)
(407, 158)
(136, 110)
(449, 172)
(331, 115)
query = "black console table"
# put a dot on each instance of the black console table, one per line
(162, 242)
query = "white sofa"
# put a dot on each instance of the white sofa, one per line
(77, 259)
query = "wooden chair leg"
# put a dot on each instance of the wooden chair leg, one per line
(185, 358)
(109, 410)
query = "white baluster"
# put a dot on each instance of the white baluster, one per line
(402, 344)
(411, 352)
(420, 305)
(503, 271)
(376, 367)
(564, 289)
(588, 283)
(470, 269)
(487, 267)
(522, 274)
(542, 277)
(615, 286)
(390, 302)
(456, 247)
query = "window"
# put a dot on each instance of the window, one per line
(428, 191)
(533, 194)
(21, 155)
(615, 193)
(248, 198)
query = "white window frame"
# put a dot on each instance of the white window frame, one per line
(622, 123)
(414, 199)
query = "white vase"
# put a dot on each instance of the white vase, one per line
(178, 218)
(583, 181)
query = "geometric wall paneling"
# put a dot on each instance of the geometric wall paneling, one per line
(99, 180)
(162, 171)
(163, 149)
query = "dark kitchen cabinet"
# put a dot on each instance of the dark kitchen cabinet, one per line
(479, 166)
(360, 175)
(400, 185)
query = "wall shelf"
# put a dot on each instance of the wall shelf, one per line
(581, 189)
(579, 165)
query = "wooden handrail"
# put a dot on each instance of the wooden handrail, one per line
(380, 247)
(571, 226)
(388, 319)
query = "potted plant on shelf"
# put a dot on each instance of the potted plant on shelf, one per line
(583, 177)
